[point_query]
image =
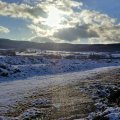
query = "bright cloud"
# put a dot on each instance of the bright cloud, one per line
(4, 30)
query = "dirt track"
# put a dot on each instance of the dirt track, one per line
(67, 101)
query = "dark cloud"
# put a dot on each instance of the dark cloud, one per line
(78, 32)
(107, 34)
(37, 11)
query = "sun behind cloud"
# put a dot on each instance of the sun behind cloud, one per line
(54, 17)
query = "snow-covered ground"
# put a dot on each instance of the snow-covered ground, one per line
(21, 67)
(11, 93)
(22, 76)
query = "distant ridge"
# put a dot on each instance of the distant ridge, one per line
(8, 44)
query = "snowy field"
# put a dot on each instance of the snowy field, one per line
(22, 67)
(25, 75)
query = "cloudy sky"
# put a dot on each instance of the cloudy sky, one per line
(69, 21)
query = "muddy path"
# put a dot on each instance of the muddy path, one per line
(65, 102)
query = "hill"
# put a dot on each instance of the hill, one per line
(8, 44)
